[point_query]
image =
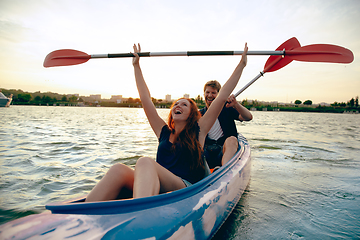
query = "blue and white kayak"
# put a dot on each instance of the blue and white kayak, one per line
(195, 212)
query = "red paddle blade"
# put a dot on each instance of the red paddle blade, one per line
(321, 53)
(65, 57)
(276, 62)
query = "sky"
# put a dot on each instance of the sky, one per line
(31, 29)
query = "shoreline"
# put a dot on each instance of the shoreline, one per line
(318, 109)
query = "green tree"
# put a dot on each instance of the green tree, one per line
(335, 104)
(154, 101)
(357, 101)
(37, 99)
(297, 102)
(308, 102)
(245, 103)
(46, 99)
(24, 97)
(351, 103)
(199, 99)
(256, 103)
(73, 99)
(64, 99)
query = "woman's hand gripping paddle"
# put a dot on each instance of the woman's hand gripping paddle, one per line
(275, 62)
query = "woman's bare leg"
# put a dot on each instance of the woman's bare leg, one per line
(151, 179)
(117, 177)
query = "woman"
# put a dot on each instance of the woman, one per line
(179, 161)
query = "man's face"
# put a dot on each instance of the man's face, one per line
(209, 95)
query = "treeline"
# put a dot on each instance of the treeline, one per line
(37, 98)
(26, 98)
(49, 98)
(307, 106)
(353, 102)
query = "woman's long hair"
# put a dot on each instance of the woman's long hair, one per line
(189, 136)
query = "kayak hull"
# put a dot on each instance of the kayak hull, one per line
(195, 212)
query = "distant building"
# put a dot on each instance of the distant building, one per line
(324, 104)
(96, 97)
(75, 94)
(186, 95)
(168, 98)
(274, 104)
(116, 98)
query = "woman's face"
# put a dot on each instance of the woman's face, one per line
(181, 110)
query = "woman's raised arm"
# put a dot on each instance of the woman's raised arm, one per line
(209, 118)
(156, 122)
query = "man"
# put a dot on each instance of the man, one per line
(221, 142)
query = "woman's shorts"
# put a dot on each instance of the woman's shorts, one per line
(187, 183)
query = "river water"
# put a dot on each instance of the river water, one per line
(305, 176)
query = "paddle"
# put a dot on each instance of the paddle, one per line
(310, 53)
(316, 53)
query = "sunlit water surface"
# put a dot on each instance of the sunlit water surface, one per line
(305, 177)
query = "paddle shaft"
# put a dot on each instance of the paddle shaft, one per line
(261, 74)
(188, 53)
(249, 83)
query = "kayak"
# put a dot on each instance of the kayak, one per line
(194, 212)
